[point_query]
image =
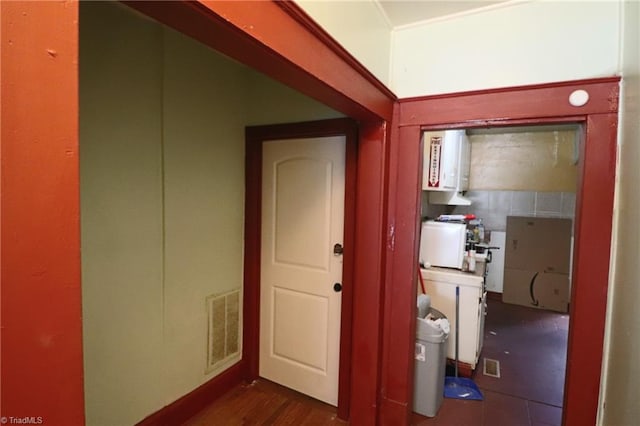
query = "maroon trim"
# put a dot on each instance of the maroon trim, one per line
(594, 218)
(252, 238)
(500, 107)
(505, 124)
(276, 39)
(371, 239)
(397, 362)
(255, 137)
(594, 212)
(511, 89)
(195, 401)
(346, 332)
(297, 13)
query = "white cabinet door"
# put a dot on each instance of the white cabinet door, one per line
(443, 298)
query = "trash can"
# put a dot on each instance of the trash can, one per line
(432, 332)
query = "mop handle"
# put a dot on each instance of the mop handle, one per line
(457, 326)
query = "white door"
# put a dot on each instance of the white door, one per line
(302, 220)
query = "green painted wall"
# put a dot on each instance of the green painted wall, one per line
(162, 122)
(121, 214)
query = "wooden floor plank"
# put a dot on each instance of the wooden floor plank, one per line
(265, 403)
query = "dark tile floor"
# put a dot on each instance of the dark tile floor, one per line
(531, 346)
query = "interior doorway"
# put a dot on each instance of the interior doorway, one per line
(301, 263)
(516, 175)
(258, 287)
(532, 105)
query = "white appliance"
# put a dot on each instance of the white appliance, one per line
(442, 244)
(440, 285)
(446, 166)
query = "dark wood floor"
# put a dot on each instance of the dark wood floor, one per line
(266, 403)
(529, 344)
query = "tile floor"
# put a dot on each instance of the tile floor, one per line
(530, 345)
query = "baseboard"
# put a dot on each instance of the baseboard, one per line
(192, 403)
(493, 295)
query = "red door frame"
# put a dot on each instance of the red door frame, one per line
(41, 332)
(537, 104)
(255, 137)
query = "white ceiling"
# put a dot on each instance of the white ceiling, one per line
(402, 12)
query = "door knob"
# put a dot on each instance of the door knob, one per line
(338, 249)
(337, 287)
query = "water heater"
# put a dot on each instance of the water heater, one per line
(446, 166)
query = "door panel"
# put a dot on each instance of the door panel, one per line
(302, 218)
(297, 218)
(293, 313)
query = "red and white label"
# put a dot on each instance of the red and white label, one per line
(435, 150)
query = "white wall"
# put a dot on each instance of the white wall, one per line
(162, 203)
(619, 391)
(360, 27)
(520, 43)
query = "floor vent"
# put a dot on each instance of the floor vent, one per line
(223, 316)
(491, 368)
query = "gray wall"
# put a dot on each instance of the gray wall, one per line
(494, 206)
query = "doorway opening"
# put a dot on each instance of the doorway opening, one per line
(531, 105)
(519, 174)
